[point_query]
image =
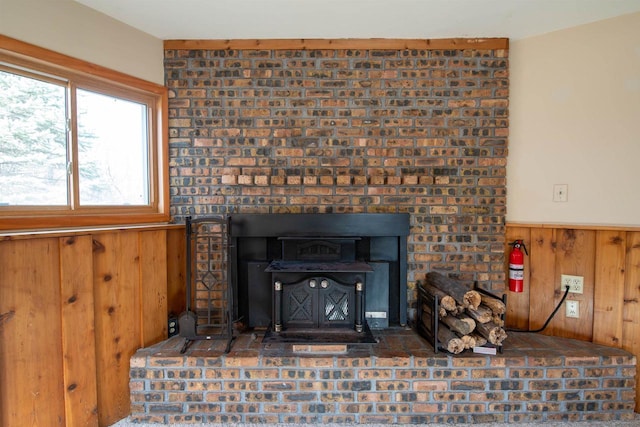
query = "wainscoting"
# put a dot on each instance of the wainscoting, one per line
(74, 308)
(609, 260)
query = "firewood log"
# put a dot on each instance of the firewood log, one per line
(446, 301)
(426, 321)
(449, 340)
(472, 299)
(459, 292)
(492, 332)
(496, 305)
(457, 311)
(427, 311)
(498, 321)
(480, 340)
(461, 324)
(481, 314)
(427, 308)
(469, 341)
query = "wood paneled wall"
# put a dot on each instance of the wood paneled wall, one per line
(73, 310)
(609, 261)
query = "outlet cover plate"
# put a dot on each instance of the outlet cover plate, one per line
(575, 283)
(560, 192)
(573, 309)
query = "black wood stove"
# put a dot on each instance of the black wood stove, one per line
(320, 277)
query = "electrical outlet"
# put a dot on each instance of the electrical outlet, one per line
(573, 309)
(575, 283)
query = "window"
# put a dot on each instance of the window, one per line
(79, 146)
(33, 146)
(113, 164)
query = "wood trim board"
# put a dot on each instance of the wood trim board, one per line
(331, 44)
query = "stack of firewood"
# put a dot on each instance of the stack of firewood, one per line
(467, 317)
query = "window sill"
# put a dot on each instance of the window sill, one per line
(77, 231)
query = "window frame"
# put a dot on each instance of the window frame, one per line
(87, 76)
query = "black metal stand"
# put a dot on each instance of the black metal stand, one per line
(209, 288)
(428, 325)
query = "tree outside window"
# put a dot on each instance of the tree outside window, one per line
(33, 141)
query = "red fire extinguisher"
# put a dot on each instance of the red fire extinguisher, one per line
(516, 266)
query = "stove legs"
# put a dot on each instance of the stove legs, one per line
(359, 314)
(277, 306)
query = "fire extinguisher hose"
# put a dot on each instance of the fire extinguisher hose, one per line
(564, 297)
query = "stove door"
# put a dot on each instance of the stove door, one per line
(299, 304)
(336, 304)
(317, 302)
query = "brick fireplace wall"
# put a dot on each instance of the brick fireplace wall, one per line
(350, 130)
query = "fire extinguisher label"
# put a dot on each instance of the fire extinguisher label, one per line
(516, 271)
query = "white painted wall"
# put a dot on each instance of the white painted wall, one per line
(575, 119)
(575, 104)
(68, 27)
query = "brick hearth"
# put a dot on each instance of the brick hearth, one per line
(399, 380)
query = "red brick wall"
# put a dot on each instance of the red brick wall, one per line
(417, 131)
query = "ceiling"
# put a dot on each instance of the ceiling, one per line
(336, 19)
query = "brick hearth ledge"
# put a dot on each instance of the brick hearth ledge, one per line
(400, 380)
